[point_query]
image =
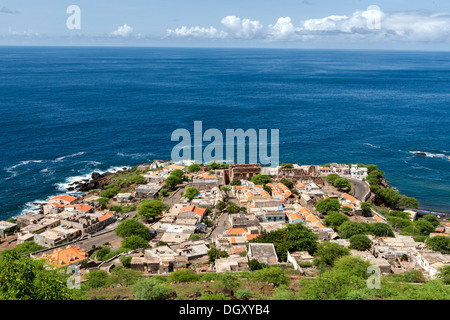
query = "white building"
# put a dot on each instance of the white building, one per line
(358, 173)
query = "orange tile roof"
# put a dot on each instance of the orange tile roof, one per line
(377, 218)
(250, 206)
(63, 257)
(249, 194)
(351, 205)
(349, 197)
(246, 187)
(233, 240)
(325, 168)
(259, 186)
(251, 236)
(440, 234)
(65, 198)
(320, 225)
(197, 210)
(265, 193)
(236, 250)
(105, 216)
(85, 208)
(237, 187)
(236, 231)
(300, 185)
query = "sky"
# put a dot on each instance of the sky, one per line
(343, 24)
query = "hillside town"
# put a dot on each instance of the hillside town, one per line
(210, 219)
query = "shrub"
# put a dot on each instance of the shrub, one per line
(126, 261)
(183, 275)
(149, 289)
(360, 242)
(283, 292)
(439, 243)
(351, 228)
(273, 274)
(381, 229)
(244, 294)
(230, 281)
(97, 279)
(415, 276)
(334, 219)
(256, 265)
(444, 274)
(134, 242)
(328, 252)
(210, 296)
(131, 227)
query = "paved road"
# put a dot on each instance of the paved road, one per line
(222, 225)
(359, 189)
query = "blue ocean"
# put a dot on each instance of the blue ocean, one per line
(66, 112)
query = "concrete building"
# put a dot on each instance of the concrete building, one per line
(263, 252)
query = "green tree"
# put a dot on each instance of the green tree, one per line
(334, 219)
(439, 243)
(366, 209)
(233, 208)
(352, 265)
(126, 261)
(164, 192)
(172, 181)
(191, 193)
(221, 205)
(432, 219)
(325, 205)
(151, 208)
(360, 242)
(254, 265)
(444, 274)
(110, 193)
(134, 242)
(328, 252)
(129, 228)
(332, 177)
(287, 183)
(177, 173)
(350, 228)
(261, 179)
(236, 182)
(287, 166)
(195, 167)
(380, 229)
(342, 184)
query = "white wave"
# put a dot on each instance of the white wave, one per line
(430, 155)
(371, 145)
(12, 170)
(68, 182)
(135, 155)
(69, 156)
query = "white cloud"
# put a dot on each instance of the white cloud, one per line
(196, 32)
(245, 28)
(371, 24)
(283, 30)
(26, 33)
(123, 31)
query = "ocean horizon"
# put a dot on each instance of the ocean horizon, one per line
(66, 112)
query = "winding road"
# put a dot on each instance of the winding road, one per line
(359, 189)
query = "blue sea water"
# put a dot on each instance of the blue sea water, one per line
(65, 112)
